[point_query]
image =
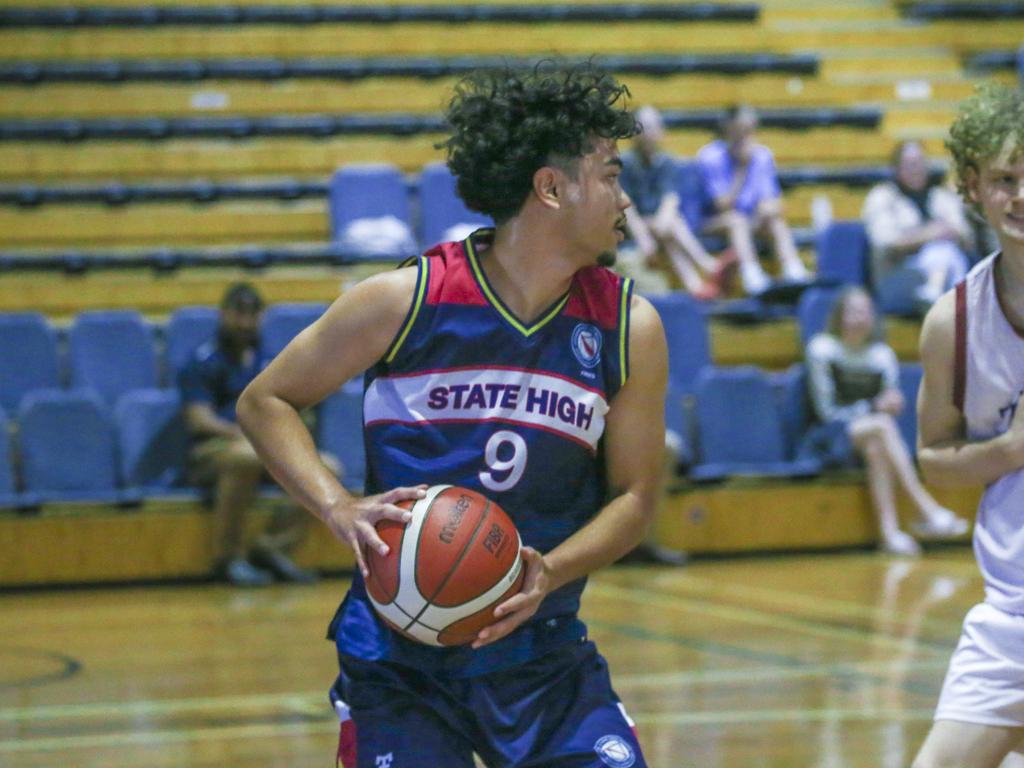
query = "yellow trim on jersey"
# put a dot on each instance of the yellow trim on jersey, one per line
(627, 290)
(495, 302)
(422, 278)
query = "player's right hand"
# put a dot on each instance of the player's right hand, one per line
(354, 520)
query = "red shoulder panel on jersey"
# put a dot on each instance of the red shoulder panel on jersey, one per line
(595, 296)
(451, 277)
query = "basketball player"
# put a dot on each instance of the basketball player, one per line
(515, 364)
(972, 432)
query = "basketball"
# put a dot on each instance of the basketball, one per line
(447, 569)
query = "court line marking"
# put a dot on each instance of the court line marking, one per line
(827, 604)
(759, 674)
(228, 733)
(754, 616)
(315, 702)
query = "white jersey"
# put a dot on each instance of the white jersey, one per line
(988, 383)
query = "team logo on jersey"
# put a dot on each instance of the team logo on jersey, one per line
(586, 344)
(384, 761)
(615, 751)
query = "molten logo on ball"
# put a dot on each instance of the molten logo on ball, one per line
(447, 569)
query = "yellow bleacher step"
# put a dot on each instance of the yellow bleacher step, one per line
(171, 224)
(74, 225)
(406, 39)
(38, 162)
(172, 539)
(397, 95)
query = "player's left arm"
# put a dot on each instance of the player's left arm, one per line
(634, 441)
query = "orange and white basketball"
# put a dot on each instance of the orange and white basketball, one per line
(447, 569)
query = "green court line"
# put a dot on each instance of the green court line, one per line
(797, 600)
(300, 701)
(753, 616)
(759, 674)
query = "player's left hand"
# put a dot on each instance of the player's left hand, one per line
(520, 607)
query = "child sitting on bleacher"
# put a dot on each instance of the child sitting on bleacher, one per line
(854, 385)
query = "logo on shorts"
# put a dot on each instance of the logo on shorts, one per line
(615, 751)
(586, 344)
(384, 761)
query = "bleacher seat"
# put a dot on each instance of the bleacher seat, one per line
(370, 192)
(740, 428)
(843, 253)
(68, 447)
(441, 207)
(794, 401)
(686, 333)
(28, 349)
(112, 352)
(9, 496)
(812, 311)
(282, 323)
(222, 15)
(152, 439)
(340, 429)
(689, 352)
(187, 329)
(910, 381)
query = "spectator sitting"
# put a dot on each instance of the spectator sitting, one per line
(745, 199)
(654, 221)
(918, 234)
(854, 386)
(221, 457)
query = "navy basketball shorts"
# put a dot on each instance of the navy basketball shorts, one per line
(558, 711)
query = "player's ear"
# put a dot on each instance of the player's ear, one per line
(971, 178)
(547, 186)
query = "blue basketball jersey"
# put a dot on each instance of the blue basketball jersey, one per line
(470, 395)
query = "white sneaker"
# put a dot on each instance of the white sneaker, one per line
(796, 272)
(755, 280)
(900, 543)
(941, 523)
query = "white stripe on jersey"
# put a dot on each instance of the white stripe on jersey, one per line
(525, 397)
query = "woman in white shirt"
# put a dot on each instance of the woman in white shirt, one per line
(853, 378)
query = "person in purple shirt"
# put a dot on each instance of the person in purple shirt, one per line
(744, 199)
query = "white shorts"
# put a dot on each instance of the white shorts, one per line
(985, 681)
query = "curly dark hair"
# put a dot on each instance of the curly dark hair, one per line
(507, 123)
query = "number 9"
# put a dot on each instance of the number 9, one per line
(514, 465)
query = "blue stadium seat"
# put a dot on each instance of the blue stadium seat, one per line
(440, 205)
(187, 329)
(28, 357)
(843, 253)
(812, 311)
(68, 447)
(794, 401)
(367, 190)
(910, 382)
(740, 428)
(692, 195)
(153, 440)
(282, 323)
(340, 428)
(686, 332)
(9, 496)
(112, 352)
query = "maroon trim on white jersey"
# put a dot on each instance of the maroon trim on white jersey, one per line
(960, 350)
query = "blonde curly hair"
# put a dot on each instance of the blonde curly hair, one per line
(983, 123)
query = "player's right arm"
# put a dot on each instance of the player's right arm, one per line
(353, 334)
(946, 456)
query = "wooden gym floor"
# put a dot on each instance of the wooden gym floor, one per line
(830, 660)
